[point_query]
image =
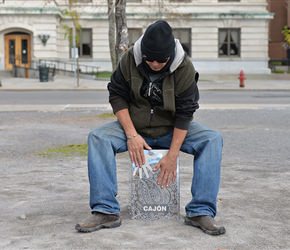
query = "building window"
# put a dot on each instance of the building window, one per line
(85, 43)
(133, 35)
(85, 49)
(184, 36)
(229, 42)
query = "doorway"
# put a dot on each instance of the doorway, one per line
(18, 51)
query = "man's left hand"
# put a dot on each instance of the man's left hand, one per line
(167, 166)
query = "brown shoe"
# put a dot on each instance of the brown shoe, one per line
(98, 221)
(206, 223)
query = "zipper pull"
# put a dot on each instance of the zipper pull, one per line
(151, 116)
(150, 87)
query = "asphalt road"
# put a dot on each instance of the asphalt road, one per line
(101, 97)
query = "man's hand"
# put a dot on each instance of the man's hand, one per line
(136, 147)
(167, 166)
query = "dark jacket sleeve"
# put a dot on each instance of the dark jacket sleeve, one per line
(186, 104)
(119, 91)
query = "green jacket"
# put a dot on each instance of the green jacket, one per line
(180, 94)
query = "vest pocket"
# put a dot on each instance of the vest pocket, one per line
(161, 117)
(169, 100)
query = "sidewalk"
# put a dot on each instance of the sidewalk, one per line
(206, 82)
(60, 83)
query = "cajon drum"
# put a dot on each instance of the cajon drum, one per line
(148, 201)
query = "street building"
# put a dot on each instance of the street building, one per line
(221, 36)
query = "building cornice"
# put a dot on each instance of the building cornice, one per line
(204, 15)
(133, 15)
(29, 10)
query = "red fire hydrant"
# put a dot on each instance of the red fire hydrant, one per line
(242, 78)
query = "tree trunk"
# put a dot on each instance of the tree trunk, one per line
(121, 28)
(111, 33)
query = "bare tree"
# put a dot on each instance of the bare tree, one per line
(73, 33)
(75, 36)
(118, 31)
(112, 33)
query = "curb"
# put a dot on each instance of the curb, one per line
(55, 89)
(101, 89)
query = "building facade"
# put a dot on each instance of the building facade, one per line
(221, 36)
(281, 11)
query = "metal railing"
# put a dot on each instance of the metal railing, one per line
(65, 66)
(54, 66)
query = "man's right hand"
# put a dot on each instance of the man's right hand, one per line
(136, 146)
(135, 142)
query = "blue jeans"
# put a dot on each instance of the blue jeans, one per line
(108, 140)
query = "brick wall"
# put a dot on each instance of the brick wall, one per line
(288, 12)
(281, 18)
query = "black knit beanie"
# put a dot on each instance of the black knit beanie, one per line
(158, 41)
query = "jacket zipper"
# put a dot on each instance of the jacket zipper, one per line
(151, 115)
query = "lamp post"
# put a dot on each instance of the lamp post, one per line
(74, 52)
(75, 55)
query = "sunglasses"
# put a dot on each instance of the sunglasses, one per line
(155, 60)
